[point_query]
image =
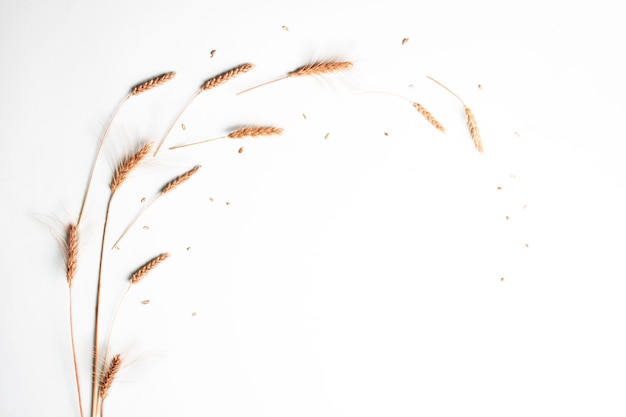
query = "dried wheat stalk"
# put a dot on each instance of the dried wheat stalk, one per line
(107, 377)
(179, 180)
(470, 118)
(152, 83)
(225, 76)
(209, 84)
(149, 266)
(243, 132)
(315, 68)
(71, 253)
(422, 110)
(127, 165)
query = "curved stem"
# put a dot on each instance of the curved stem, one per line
(96, 385)
(80, 398)
(175, 122)
(95, 162)
(450, 91)
(196, 143)
(261, 85)
(143, 210)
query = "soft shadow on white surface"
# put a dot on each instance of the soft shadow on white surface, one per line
(388, 269)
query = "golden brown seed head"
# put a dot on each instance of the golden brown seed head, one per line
(255, 131)
(143, 271)
(179, 180)
(151, 83)
(71, 252)
(127, 165)
(322, 67)
(225, 76)
(473, 127)
(422, 110)
(106, 380)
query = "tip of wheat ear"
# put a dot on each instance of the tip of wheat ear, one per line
(225, 76)
(152, 83)
(149, 266)
(106, 380)
(71, 252)
(127, 165)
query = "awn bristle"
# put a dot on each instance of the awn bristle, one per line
(322, 67)
(225, 76)
(255, 131)
(422, 110)
(151, 83)
(143, 271)
(107, 377)
(179, 180)
(127, 165)
(473, 127)
(71, 252)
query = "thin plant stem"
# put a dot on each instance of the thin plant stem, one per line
(176, 121)
(197, 143)
(95, 162)
(450, 91)
(143, 210)
(96, 385)
(80, 398)
(261, 85)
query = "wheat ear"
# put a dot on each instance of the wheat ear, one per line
(315, 68)
(107, 377)
(207, 85)
(421, 109)
(470, 118)
(124, 168)
(71, 257)
(166, 189)
(139, 88)
(241, 133)
(149, 266)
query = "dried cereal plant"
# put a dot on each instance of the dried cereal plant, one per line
(208, 85)
(170, 186)
(107, 378)
(316, 68)
(124, 168)
(421, 109)
(138, 89)
(470, 118)
(240, 134)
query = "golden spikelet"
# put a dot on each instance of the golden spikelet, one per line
(225, 76)
(152, 83)
(71, 252)
(127, 165)
(320, 67)
(179, 180)
(106, 380)
(143, 271)
(422, 110)
(255, 131)
(473, 127)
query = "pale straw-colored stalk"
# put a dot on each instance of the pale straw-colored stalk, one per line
(251, 131)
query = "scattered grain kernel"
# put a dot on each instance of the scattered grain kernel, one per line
(211, 199)
(183, 126)
(193, 314)
(144, 302)
(146, 227)
(525, 205)
(480, 87)
(188, 247)
(143, 200)
(213, 53)
(517, 134)
(327, 135)
(404, 41)
(285, 28)
(526, 244)
(507, 217)
(228, 203)
(386, 134)
(240, 150)
(411, 86)
(499, 188)
(304, 115)
(501, 279)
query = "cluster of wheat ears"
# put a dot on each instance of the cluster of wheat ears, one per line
(105, 369)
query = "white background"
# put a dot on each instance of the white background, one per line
(360, 275)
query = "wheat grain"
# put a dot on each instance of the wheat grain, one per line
(71, 252)
(107, 377)
(179, 180)
(127, 165)
(152, 83)
(422, 110)
(143, 271)
(225, 76)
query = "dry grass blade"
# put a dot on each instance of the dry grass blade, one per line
(473, 126)
(107, 377)
(252, 131)
(316, 68)
(127, 165)
(143, 271)
(179, 180)
(255, 131)
(71, 252)
(422, 110)
(152, 83)
(225, 76)
(471, 119)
